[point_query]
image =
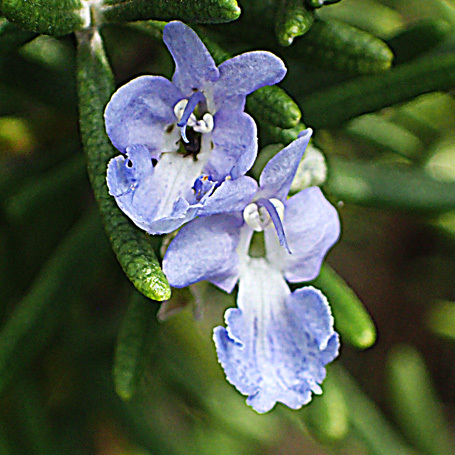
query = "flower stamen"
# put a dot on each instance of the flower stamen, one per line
(259, 214)
(185, 116)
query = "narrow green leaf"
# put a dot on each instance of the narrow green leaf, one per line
(66, 179)
(337, 45)
(274, 106)
(202, 11)
(53, 17)
(133, 345)
(35, 318)
(389, 186)
(269, 104)
(419, 411)
(367, 421)
(12, 37)
(293, 19)
(385, 135)
(275, 134)
(368, 15)
(418, 39)
(352, 320)
(131, 245)
(441, 318)
(333, 106)
(327, 416)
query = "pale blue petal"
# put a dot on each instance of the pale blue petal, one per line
(235, 145)
(312, 227)
(195, 68)
(142, 112)
(277, 176)
(157, 199)
(276, 344)
(230, 196)
(205, 249)
(244, 74)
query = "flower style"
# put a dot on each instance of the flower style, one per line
(276, 343)
(180, 140)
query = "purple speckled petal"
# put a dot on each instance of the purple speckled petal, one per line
(141, 111)
(276, 344)
(244, 74)
(205, 249)
(235, 145)
(195, 68)
(276, 178)
(312, 227)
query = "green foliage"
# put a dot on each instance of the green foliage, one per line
(52, 17)
(38, 315)
(293, 19)
(337, 104)
(418, 39)
(12, 37)
(352, 320)
(367, 421)
(386, 185)
(202, 11)
(416, 404)
(133, 345)
(335, 44)
(131, 246)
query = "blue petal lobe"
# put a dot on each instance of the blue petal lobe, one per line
(244, 74)
(312, 227)
(276, 344)
(276, 178)
(141, 111)
(234, 138)
(205, 249)
(194, 66)
(230, 196)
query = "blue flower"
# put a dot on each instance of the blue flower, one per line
(174, 134)
(276, 343)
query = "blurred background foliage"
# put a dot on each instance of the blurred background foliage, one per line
(90, 366)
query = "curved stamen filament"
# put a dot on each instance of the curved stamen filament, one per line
(259, 214)
(276, 219)
(194, 100)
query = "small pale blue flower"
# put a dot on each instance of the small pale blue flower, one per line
(191, 127)
(276, 343)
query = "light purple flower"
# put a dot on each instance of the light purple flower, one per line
(276, 344)
(179, 140)
(306, 224)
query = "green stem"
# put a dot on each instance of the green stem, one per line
(131, 246)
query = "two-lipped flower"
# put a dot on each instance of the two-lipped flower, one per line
(186, 147)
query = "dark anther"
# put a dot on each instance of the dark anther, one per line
(129, 163)
(193, 147)
(154, 162)
(170, 128)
